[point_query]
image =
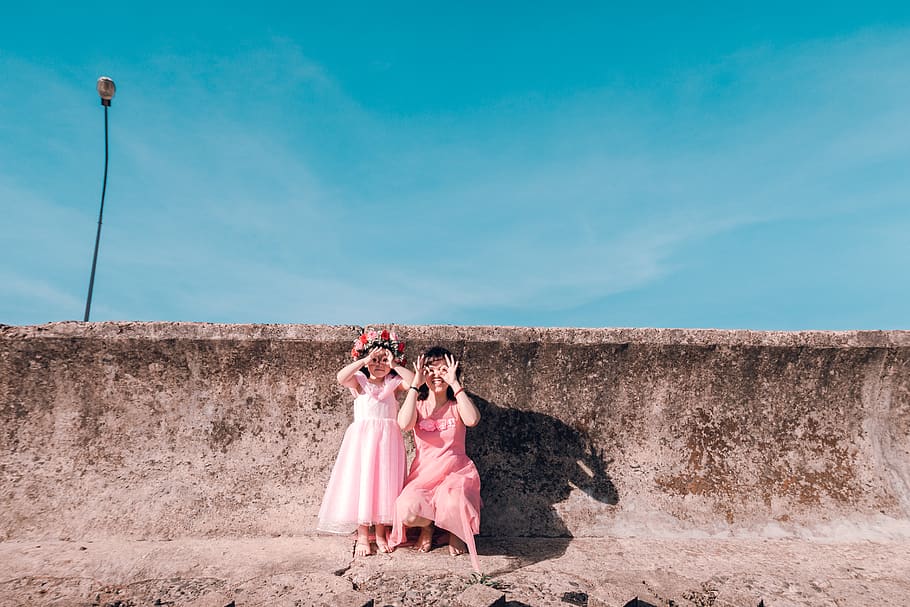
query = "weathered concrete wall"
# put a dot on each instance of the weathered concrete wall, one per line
(166, 430)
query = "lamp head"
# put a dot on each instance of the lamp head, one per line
(106, 90)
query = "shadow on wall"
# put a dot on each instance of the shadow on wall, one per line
(528, 463)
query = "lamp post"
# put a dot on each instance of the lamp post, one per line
(106, 90)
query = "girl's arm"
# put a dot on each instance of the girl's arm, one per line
(407, 415)
(467, 410)
(346, 377)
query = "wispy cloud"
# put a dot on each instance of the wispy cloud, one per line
(24, 296)
(305, 204)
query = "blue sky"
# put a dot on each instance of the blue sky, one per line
(536, 164)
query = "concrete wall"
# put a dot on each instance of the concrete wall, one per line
(162, 430)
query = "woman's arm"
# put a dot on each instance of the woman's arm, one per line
(406, 375)
(407, 415)
(467, 410)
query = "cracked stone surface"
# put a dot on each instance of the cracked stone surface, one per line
(316, 570)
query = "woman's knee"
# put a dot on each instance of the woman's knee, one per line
(411, 519)
(405, 508)
(409, 513)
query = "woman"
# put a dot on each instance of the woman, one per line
(443, 487)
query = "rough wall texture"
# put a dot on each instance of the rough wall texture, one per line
(174, 429)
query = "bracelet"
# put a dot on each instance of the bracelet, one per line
(414, 388)
(459, 391)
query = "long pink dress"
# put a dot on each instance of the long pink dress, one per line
(443, 484)
(370, 467)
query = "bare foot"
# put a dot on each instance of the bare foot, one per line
(425, 541)
(382, 543)
(362, 548)
(362, 545)
(456, 546)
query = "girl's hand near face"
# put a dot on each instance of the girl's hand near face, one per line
(377, 364)
(380, 356)
(369, 357)
(345, 377)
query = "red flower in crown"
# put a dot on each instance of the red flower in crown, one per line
(370, 340)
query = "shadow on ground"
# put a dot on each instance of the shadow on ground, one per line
(528, 463)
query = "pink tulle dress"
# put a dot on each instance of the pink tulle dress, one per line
(370, 467)
(443, 484)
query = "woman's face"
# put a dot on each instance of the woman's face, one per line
(379, 364)
(435, 370)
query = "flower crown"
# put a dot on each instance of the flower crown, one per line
(370, 340)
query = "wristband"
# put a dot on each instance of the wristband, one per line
(459, 391)
(413, 388)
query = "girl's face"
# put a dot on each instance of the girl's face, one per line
(435, 370)
(380, 363)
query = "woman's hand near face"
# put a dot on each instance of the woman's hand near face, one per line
(419, 369)
(407, 415)
(451, 376)
(467, 410)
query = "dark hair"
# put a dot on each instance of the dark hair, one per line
(437, 353)
(366, 371)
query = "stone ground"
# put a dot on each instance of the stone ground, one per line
(303, 571)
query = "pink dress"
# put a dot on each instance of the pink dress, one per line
(443, 485)
(370, 467)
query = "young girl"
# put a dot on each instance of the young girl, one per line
(370, 467)
(443, 487)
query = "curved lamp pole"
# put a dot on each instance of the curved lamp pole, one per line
(106, 90)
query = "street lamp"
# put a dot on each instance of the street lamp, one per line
(106, 90)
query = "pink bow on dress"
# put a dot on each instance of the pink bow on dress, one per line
(432, 425)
